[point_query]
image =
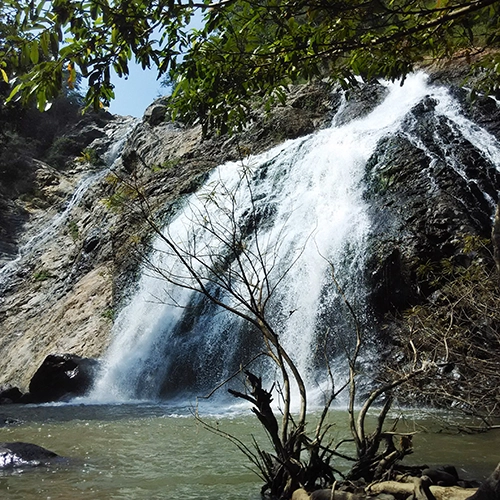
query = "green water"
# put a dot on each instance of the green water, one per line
(162, 452)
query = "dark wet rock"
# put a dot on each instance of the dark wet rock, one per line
(10, 395)
(92, 241)
(12, 219)
(443, 476)
(428, 186)
(87, 133)
(307, 109)
(490, 489)
(19, 454)
(62, 376)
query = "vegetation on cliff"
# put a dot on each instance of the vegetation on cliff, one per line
(458, 327)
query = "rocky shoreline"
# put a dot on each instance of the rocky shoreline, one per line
(431, 484)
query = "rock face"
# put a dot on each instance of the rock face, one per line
(428, 187)
(57, 294)
(62, 294)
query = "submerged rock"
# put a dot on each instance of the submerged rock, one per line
(19, 454)
(6, 421)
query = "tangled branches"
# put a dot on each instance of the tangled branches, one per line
(458, 328)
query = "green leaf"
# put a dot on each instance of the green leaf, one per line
(4, 75)
(14, 92)
(34, 54)
(45, 42)
(41, 101)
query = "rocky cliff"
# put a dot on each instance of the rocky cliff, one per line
(61, 296)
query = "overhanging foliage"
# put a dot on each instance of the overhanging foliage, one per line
(245, 50)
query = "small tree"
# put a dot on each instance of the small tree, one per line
(237, 269)
(457, 328)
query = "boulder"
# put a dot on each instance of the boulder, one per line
(156, 113)
(10, 395)
(442, 476)
(19, 454)
(62, 376)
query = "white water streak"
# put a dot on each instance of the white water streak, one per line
(42, 236)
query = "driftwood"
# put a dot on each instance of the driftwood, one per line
(302, 494)
(422, 490)
(261, 399)
(414, 488)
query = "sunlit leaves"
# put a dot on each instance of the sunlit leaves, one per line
(245, 53)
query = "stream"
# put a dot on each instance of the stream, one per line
(157, 451)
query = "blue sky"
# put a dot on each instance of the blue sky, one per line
(134, 94)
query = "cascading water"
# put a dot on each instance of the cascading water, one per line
(307, 198)
(284, 220)
(44, 234)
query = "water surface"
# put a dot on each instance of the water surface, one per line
(151, 451)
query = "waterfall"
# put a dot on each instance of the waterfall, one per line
(306, 196)
(34, 243)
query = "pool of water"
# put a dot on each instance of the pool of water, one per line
(151, 451)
